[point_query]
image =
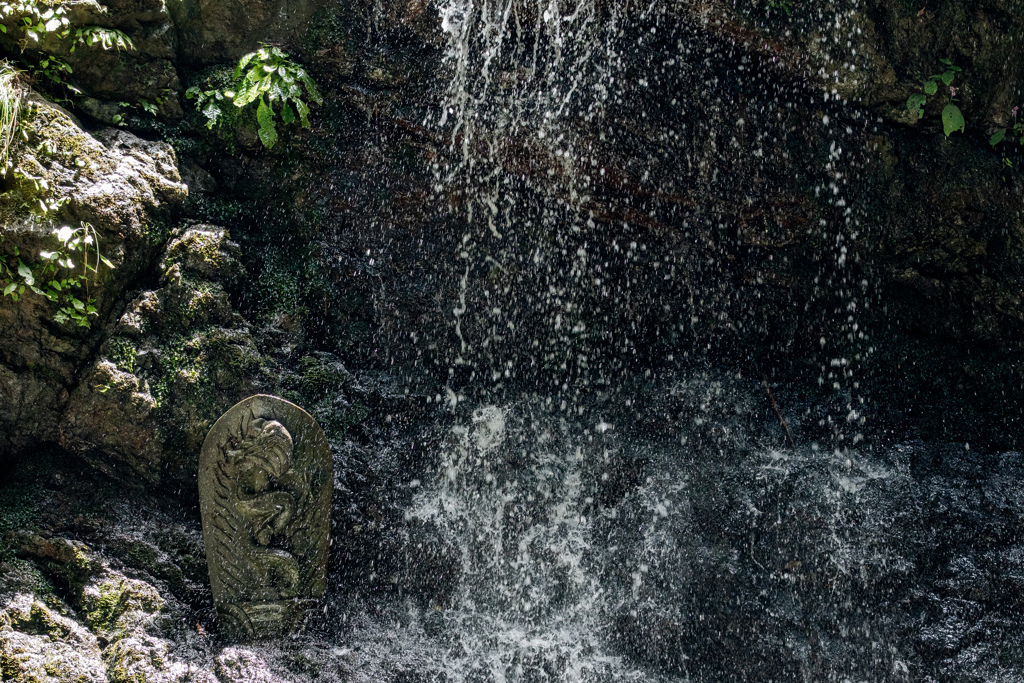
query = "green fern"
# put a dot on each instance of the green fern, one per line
(270, 78)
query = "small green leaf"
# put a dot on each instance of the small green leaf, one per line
(267, 131)
(314, 94)
(3, 29)
(287, 115)
(952, 119)
(303, 112)
(916, 101)
(930, 87)
(107, 262)
(997, 137)
(948, 77)
(246, 93)
(244, 62)
(9, 289)
(947, 61)
(78, 304)
(24, 270)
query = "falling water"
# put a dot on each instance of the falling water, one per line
(617, 507)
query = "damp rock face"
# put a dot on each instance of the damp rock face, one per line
(265, 481)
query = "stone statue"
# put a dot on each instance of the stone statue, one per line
(265, 482)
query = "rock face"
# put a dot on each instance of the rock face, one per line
(640, 246)
(367, 288)
(177, 357)
(124, 187)
(43, 637)
(210, 31)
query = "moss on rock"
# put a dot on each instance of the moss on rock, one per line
(180, 356)
(26, 658)
(115, 605)
(40, 645)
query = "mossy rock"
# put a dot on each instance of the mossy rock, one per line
(138, 659)
(26, 658)
(22, 576)
(115, 605)
(40, 645)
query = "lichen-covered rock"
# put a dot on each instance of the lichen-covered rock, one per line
(114, 408)
(141, 658)
(123, 187)
(113, 179)
(39, 645)
(179, 357)
(206, 251)
(71, 562)
(27, 658)
(122, 627)
(114, 605)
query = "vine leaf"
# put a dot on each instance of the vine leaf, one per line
(952, 119)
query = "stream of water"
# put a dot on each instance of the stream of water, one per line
(608, 523)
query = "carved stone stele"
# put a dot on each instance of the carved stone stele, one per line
(265, 482)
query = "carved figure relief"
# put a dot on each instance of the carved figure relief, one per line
(265, 481)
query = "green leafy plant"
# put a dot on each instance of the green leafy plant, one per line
(10, 107)
(150, 108)
(54, 69)
(277, 85)
(952, 117)
(209, 102)
(59, 275)
(1016, 131)
(55, 275)
(39, 19)
(107, 38)
(784, 5)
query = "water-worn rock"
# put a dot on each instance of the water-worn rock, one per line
(30, 658)
(242, 665)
